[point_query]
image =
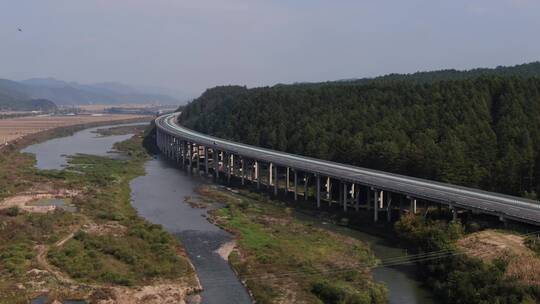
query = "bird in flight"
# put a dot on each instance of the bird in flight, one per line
(19, 29)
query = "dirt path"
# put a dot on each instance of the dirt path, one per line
(41, 258)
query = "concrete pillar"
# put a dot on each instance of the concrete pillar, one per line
(231, 164)
(190, 159)
(215, 156)
(257, 175)
(295, 185)
(276, 180)
(375, 205)
(198, 149)
(242, 173)
(328, 191)
(454, 213)
(227, 166)
(413, 205)
(381, 200)
(318, 191)
(345, 196)
(287, 178)
(306, 181)
(389, 209)
(505, 221)
(206, 160)
(270, 172)
(357, 204)
(184, 152)
(368, 198)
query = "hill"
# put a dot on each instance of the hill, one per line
(479, 131)
(42, 105)
(531, 69)
(72, 93)
(14, 97)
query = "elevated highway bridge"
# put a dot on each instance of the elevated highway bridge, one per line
(334, 183)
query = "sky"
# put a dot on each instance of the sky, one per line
(193, 45)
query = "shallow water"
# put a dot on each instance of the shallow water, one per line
(403, 286)
(159, 197)
(60, 203)
(51, 154)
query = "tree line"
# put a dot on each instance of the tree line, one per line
(479, 131)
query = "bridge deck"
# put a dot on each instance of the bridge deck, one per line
(516, 208)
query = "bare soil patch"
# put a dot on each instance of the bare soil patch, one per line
(523, 263)
(225, 250)
(23, 200)
(110, 228)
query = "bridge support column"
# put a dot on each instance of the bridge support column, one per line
(318, 192)
(504, 221)
(276, 181)
(230, 167)
(345, 196)
(287, 179)
(413, 205)
(329, 191)
(184, 152)
(257, 176)
(215, 156)
(177, 151)
(389, 209)
(270, 174)
(368, 198)
(357, 204)
(306, 182)
(242, 173)
(295, 185)
(206, 160)
(375, 205)
(454, 213)
(190, 160)
(198, 162)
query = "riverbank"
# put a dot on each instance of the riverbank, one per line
(17, 170)
(282, 259)
(464, 267)
(454, 261)
(102, 251)
(13, 130)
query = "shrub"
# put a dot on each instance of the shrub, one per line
(13, 211)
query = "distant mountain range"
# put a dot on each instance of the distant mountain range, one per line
(73, 93)
(531, 69)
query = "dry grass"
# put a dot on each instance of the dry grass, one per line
(523, 263)
(15, 128)
(98, 108)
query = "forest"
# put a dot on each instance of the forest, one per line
(480, 129)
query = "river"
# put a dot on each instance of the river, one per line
(159, 197)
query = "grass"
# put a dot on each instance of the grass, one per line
(282, 258)
(140, 255)
(121, 130)
(144, 253)
(533, 242)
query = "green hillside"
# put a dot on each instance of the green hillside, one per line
(481, 131)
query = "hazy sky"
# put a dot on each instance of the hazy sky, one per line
(193, 45)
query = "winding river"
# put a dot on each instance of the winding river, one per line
(159, 197)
